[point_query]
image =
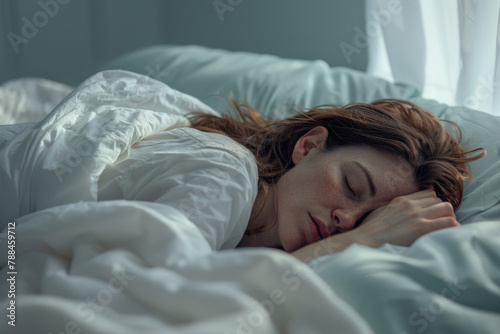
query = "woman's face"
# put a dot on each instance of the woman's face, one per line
(329, 192)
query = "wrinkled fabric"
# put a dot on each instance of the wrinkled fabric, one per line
(208, 177)
(107, 240)
(448, 281)
(29, 99)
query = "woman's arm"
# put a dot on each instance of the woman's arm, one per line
(400, 222)
(330, 245)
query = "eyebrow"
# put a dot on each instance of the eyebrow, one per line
(373, 190)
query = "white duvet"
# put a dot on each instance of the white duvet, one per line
(83, 266)
(132, 266)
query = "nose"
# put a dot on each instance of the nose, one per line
(344, 220)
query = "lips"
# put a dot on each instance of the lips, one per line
(318, 229)
(314, 230)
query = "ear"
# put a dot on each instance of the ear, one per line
(314, 138)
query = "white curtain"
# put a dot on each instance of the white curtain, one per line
(448, 49)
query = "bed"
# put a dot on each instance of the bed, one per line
(83, 266)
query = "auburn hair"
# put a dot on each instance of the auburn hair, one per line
(436, 157)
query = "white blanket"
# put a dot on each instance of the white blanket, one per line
(83, 266)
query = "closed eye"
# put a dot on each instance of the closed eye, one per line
(349, 187)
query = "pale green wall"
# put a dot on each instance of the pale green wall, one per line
(84, 34)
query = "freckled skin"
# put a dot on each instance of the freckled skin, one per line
(331, 186)
(317, 186)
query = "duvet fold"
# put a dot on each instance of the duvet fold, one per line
(119, 266)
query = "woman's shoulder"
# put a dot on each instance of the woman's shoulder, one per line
(209, 178)
(195, 150)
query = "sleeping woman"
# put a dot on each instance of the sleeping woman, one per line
(385, 172)
(312, 184)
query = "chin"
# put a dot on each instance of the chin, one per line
(290, 247)
(291, 240)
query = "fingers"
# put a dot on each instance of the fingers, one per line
(424, 199)
(442, 209)
(439, 223)
(417, 200)
(406, 218)
(432, 206)
(432, 212)
(428, 202)
(438, 216)
(427, 193)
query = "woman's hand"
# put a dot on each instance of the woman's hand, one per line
(400, 222)
(405, 219)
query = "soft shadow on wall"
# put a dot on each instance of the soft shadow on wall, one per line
(68, 40)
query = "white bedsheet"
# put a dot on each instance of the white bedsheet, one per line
(131, 266)
(446, 282)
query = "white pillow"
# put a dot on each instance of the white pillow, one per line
(29, 99)
(271, 84)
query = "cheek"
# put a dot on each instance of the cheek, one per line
(326, 188)
(293, 200)
(314, 191)
(315, 179)
(293, 185)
